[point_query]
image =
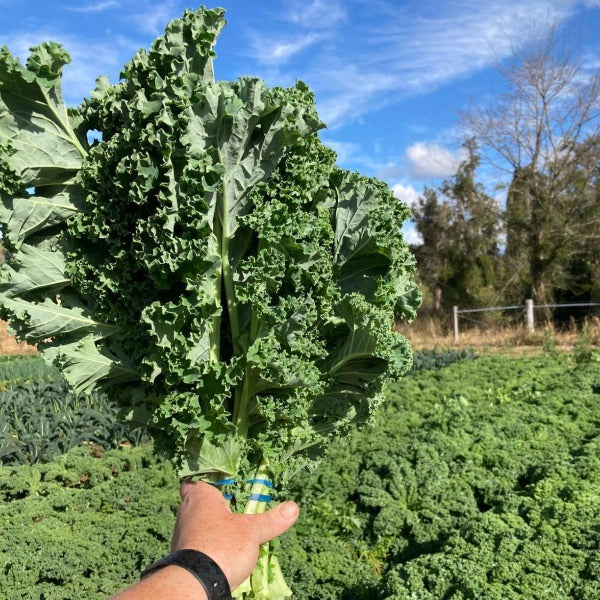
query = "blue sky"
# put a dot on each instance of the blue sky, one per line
(390, 76)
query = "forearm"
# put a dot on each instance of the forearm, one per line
(206, 525)
(168, 583)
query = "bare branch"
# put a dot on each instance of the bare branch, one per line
(544, 130)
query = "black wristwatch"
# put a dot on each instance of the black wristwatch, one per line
(203, 567)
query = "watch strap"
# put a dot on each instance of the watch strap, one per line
(203, 567)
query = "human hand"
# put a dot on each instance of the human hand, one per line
(205, 523)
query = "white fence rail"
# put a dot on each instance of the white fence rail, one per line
(528, 307)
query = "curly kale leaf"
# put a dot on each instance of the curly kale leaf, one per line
(40, 159)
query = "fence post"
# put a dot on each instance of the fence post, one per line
(455, 317)
(529, 322)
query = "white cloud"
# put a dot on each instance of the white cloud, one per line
(433, 161)
(316, 14)
(152, 17)
(275, 52)
(411, 235)
(406, 193)
(97, 7)
(350, 91)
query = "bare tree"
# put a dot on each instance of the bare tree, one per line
(544, 132)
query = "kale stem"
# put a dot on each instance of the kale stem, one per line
(254, 507)
(234, 323)
(215, 334)
(242, 395)
(240, 411)
(65, 125)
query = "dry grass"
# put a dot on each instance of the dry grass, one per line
(9, 345)
(426, 333)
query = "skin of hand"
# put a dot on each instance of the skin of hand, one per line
(205, 523)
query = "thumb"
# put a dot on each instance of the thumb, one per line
(275, 521)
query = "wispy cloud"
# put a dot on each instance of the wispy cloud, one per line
(312, 21)
(346, 92)
(456, 42)
(279, 51)
(418, 52)
(316, 14)
(95, 7)
(152, 17)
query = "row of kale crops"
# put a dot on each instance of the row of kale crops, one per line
(477, 480)
(41, 418)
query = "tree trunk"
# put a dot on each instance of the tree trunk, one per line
(437, 299)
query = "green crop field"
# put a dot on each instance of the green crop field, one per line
(480, 479)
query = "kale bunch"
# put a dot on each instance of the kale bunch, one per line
(205, 263)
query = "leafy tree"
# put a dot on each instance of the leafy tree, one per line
(580, 276)
(553, 224)
(432, 218)
(460, 225)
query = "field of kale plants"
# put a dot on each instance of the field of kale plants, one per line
(478, 479)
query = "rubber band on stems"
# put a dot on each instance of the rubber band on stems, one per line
(254, 497)
(224, 482)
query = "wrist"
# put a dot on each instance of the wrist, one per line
(165, 584)
(176, 578)
(201, 567)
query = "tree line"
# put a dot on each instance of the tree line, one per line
(541, 137)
